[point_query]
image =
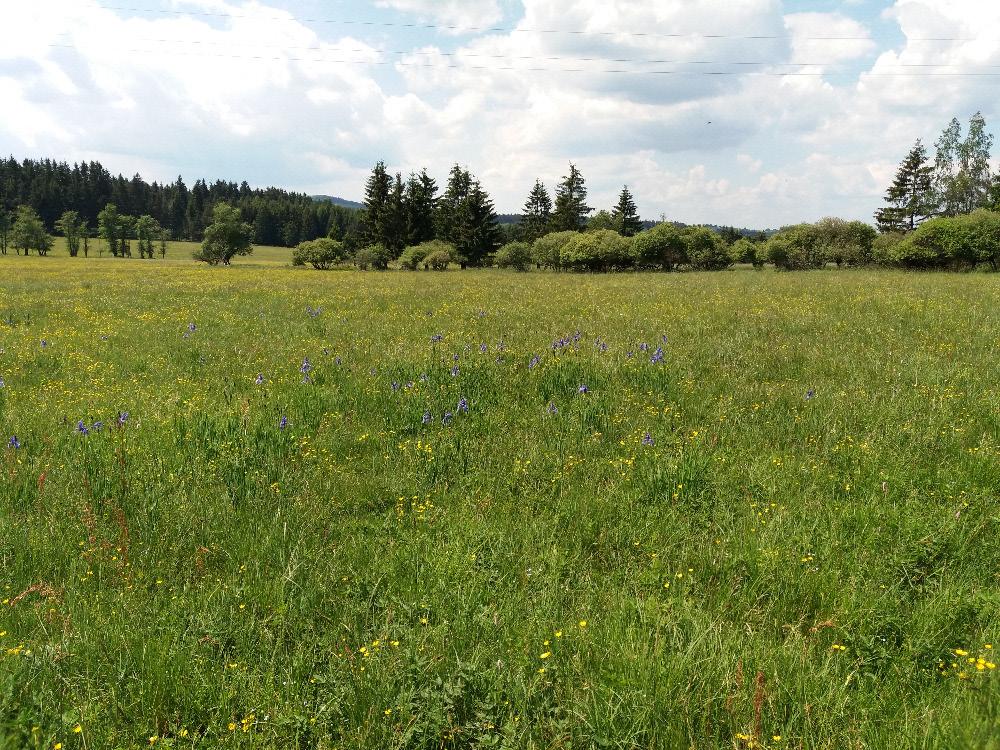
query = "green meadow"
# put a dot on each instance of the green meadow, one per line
(266, 507)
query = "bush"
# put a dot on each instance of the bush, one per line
(321, 254)
(438, 260)
(600, 250)
(706, 250)
(226, 237)
(743, 251)
(415, 255)
(659, 247)
(545, 251)
(375, 256)
(412, 257)
(885, 248)
(846, 243)
(516, 255)
(796, 248)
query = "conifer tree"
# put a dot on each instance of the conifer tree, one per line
(626, 216)
(377, 208)
(571, 209)
(537, 213)
(420, 200)
(910, 197)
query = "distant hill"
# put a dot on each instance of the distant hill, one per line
(336, 201)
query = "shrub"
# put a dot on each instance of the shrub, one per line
(545, 251)
(516, 255)
(375, 256)
(438, 260)
(885, 248)
(412, 257)
(846, 243)
(599, 250)
(706, 250)
(321, 254)
(659, 247)
(743, 251)
(795, 248)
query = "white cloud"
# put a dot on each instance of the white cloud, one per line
(461, 14)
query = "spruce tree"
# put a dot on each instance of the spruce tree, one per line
(537, 213)
(420, 200)
(571, 210)
(626, 216)
(467, 219)
(910, 197)
(375, 216)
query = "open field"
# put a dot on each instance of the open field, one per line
(178, 251)
(782, 535)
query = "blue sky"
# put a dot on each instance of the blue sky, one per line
(704, 123)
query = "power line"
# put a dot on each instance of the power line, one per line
(539, 69)
(515, 30)
(462, 54)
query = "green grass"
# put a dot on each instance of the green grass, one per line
(775, 565)
(178, 251)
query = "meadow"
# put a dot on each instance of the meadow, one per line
(265, 507)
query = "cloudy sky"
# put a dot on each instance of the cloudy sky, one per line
(749, 112)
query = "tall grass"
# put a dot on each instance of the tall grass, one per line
(782, 535)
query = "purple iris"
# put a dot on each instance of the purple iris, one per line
(426, 419)
(44, 343)
(82, 428)
(629, 355)
(463, 406)
(643, 347)
(483, 348)
(14, 442)
(454, 371)
(810, 394)
(657, 356)
(552, 408)
(583, 389)
(2, 384)
(446, 419)
(338, 361)
(534, 362)
(283, 423)
(192, 327)
(395, 386)
(423, 378)
(97, 426)
(306, 366)
(436, 338)
(122, 418)
(259, 380)
(647, 440)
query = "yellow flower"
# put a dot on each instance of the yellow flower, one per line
(77, 729)
(231, 726)
(546, 655)
(583, 623)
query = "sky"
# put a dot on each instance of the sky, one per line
(755, 113)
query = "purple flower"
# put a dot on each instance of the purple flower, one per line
(283, 423)
(500, 346)
(423, 378)
(436, 338)
(643, 347)
(647, 440)
(583, 389)
(14, 442)
(534, 362)
(82, 428)
(97, 426)
(426, 419)
(313, 313)
(663, 338)
(326, 352)
(395, 386)
(44, 343)
(454, 371)
(446, 419)
(306, 380)
(552, 408)
(338, 361)
(409, 385)
(483, 348)
(463, 406)
(629, 355)
(810, 394)
(122, 418)
(192, 327)
(2, 384)
(657, 356)
(306, 366)
(259, 380)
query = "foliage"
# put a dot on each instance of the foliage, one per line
(846, 243)
(744, 251)
(321, 254)
(516, 255)
(600, 250)
(439, 259)
(5, 225)
(706, 250)
(419, 205)
(956, 242)
(546, 250)
(28, 233)
(537, 213)
(661, 246)
(571, 209)
(910, 198)
(796, 248)
(71, 227)
(962, 176)
(467, 220)
(376, 257)
(599, 221)
(625, 217)
(148, 231)
(226, 237)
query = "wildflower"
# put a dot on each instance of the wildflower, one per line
(643, 347)
(583, 624)
(583, 389)
(463, 406)
(14, 443)
(534, 362)
(437, 337)
(454, 371)
(810, 394)
(283, 423)
(446, 419)
(395, 386)
(82, 428)
(629, 355)
(338, 361)
(306, 366)
(259, 380)
(2, 384)
(77, 729)
(44, 343)
(97, 426)
(546, 655)
(647, 440)
(657, 356)
(423, 378)
(192, 327)
(122, 418)
(483, 348)
(552, 408)
(409, 385)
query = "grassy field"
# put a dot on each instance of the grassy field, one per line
(486, 510)
(178, 251)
